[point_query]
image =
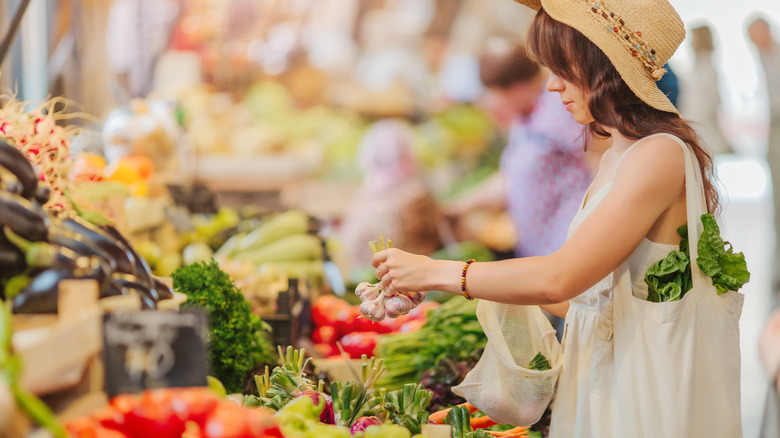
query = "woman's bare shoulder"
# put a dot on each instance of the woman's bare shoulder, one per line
(655, 164)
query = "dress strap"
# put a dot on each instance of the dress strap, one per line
(620, 160)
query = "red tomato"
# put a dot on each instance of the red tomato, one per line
(228, 420)
(325, 334)
(154, 416)
(192, 430)
(124, 403)
(194, 404)
(325, 310)
(411, 326)
(359, 343)
(88, 427)
(326, 350)
(261, 424)
(109, 417)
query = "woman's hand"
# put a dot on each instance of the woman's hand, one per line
(400, 271)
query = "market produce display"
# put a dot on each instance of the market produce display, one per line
(238, 338)
(337, 321)
(353, 408)
(41, 248)
(45, 143)
(450, 333)
(174, 413)
(670, 278)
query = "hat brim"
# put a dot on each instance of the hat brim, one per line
(632, 72)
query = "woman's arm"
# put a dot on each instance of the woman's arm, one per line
(558, 309)
(649, 181)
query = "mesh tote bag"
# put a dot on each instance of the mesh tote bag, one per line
(501, 385)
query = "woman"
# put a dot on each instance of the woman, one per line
(630, 367)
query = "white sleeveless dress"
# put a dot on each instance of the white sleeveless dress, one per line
(585, 404)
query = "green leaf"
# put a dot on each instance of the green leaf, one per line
(717, 259)
(539, 363)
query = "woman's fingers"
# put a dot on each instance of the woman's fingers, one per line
(382, 270)
(380, 257)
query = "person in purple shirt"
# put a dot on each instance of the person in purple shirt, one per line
(544, 169)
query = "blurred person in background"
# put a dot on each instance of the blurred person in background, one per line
(700, 94)
(769, 54)
(543, 173)
(392, 198)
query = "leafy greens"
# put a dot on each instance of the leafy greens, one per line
(670, 278)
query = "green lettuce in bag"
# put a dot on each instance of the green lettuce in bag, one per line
(670, 278)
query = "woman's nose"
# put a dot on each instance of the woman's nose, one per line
(554, 83)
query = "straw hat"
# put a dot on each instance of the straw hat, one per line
(638, 36)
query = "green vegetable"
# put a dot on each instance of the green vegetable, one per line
(539, 363)
(352, 400)
(451, 331)
(407, 406)
(38, 411)
(459, 418)
(300, 418)
(238, 338)
(718, 261)
(216, 386)
(10, 369)
(669, 279)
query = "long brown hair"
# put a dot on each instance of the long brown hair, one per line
(573, 57)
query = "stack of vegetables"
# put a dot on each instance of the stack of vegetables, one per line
(238, 339)
(39, 248)
(283, 241)
(337, 321)
(44, 142)
(174, 413)
(439, 354)
(351, 408)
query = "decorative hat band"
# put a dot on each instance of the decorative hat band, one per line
(632, 40)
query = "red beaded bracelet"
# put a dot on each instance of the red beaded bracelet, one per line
(463, 280)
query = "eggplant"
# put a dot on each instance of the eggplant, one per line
(40, 295)
(149, 296)
(42, 194)
(80, 246)
(96, 237)
(112, 289)
(14, 160)
(23, 217)
(163, 291)
(12, 259)
(143, 271)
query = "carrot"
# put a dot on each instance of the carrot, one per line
(507, 434)
(482, 422)
(438, 416)
(517, 430)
